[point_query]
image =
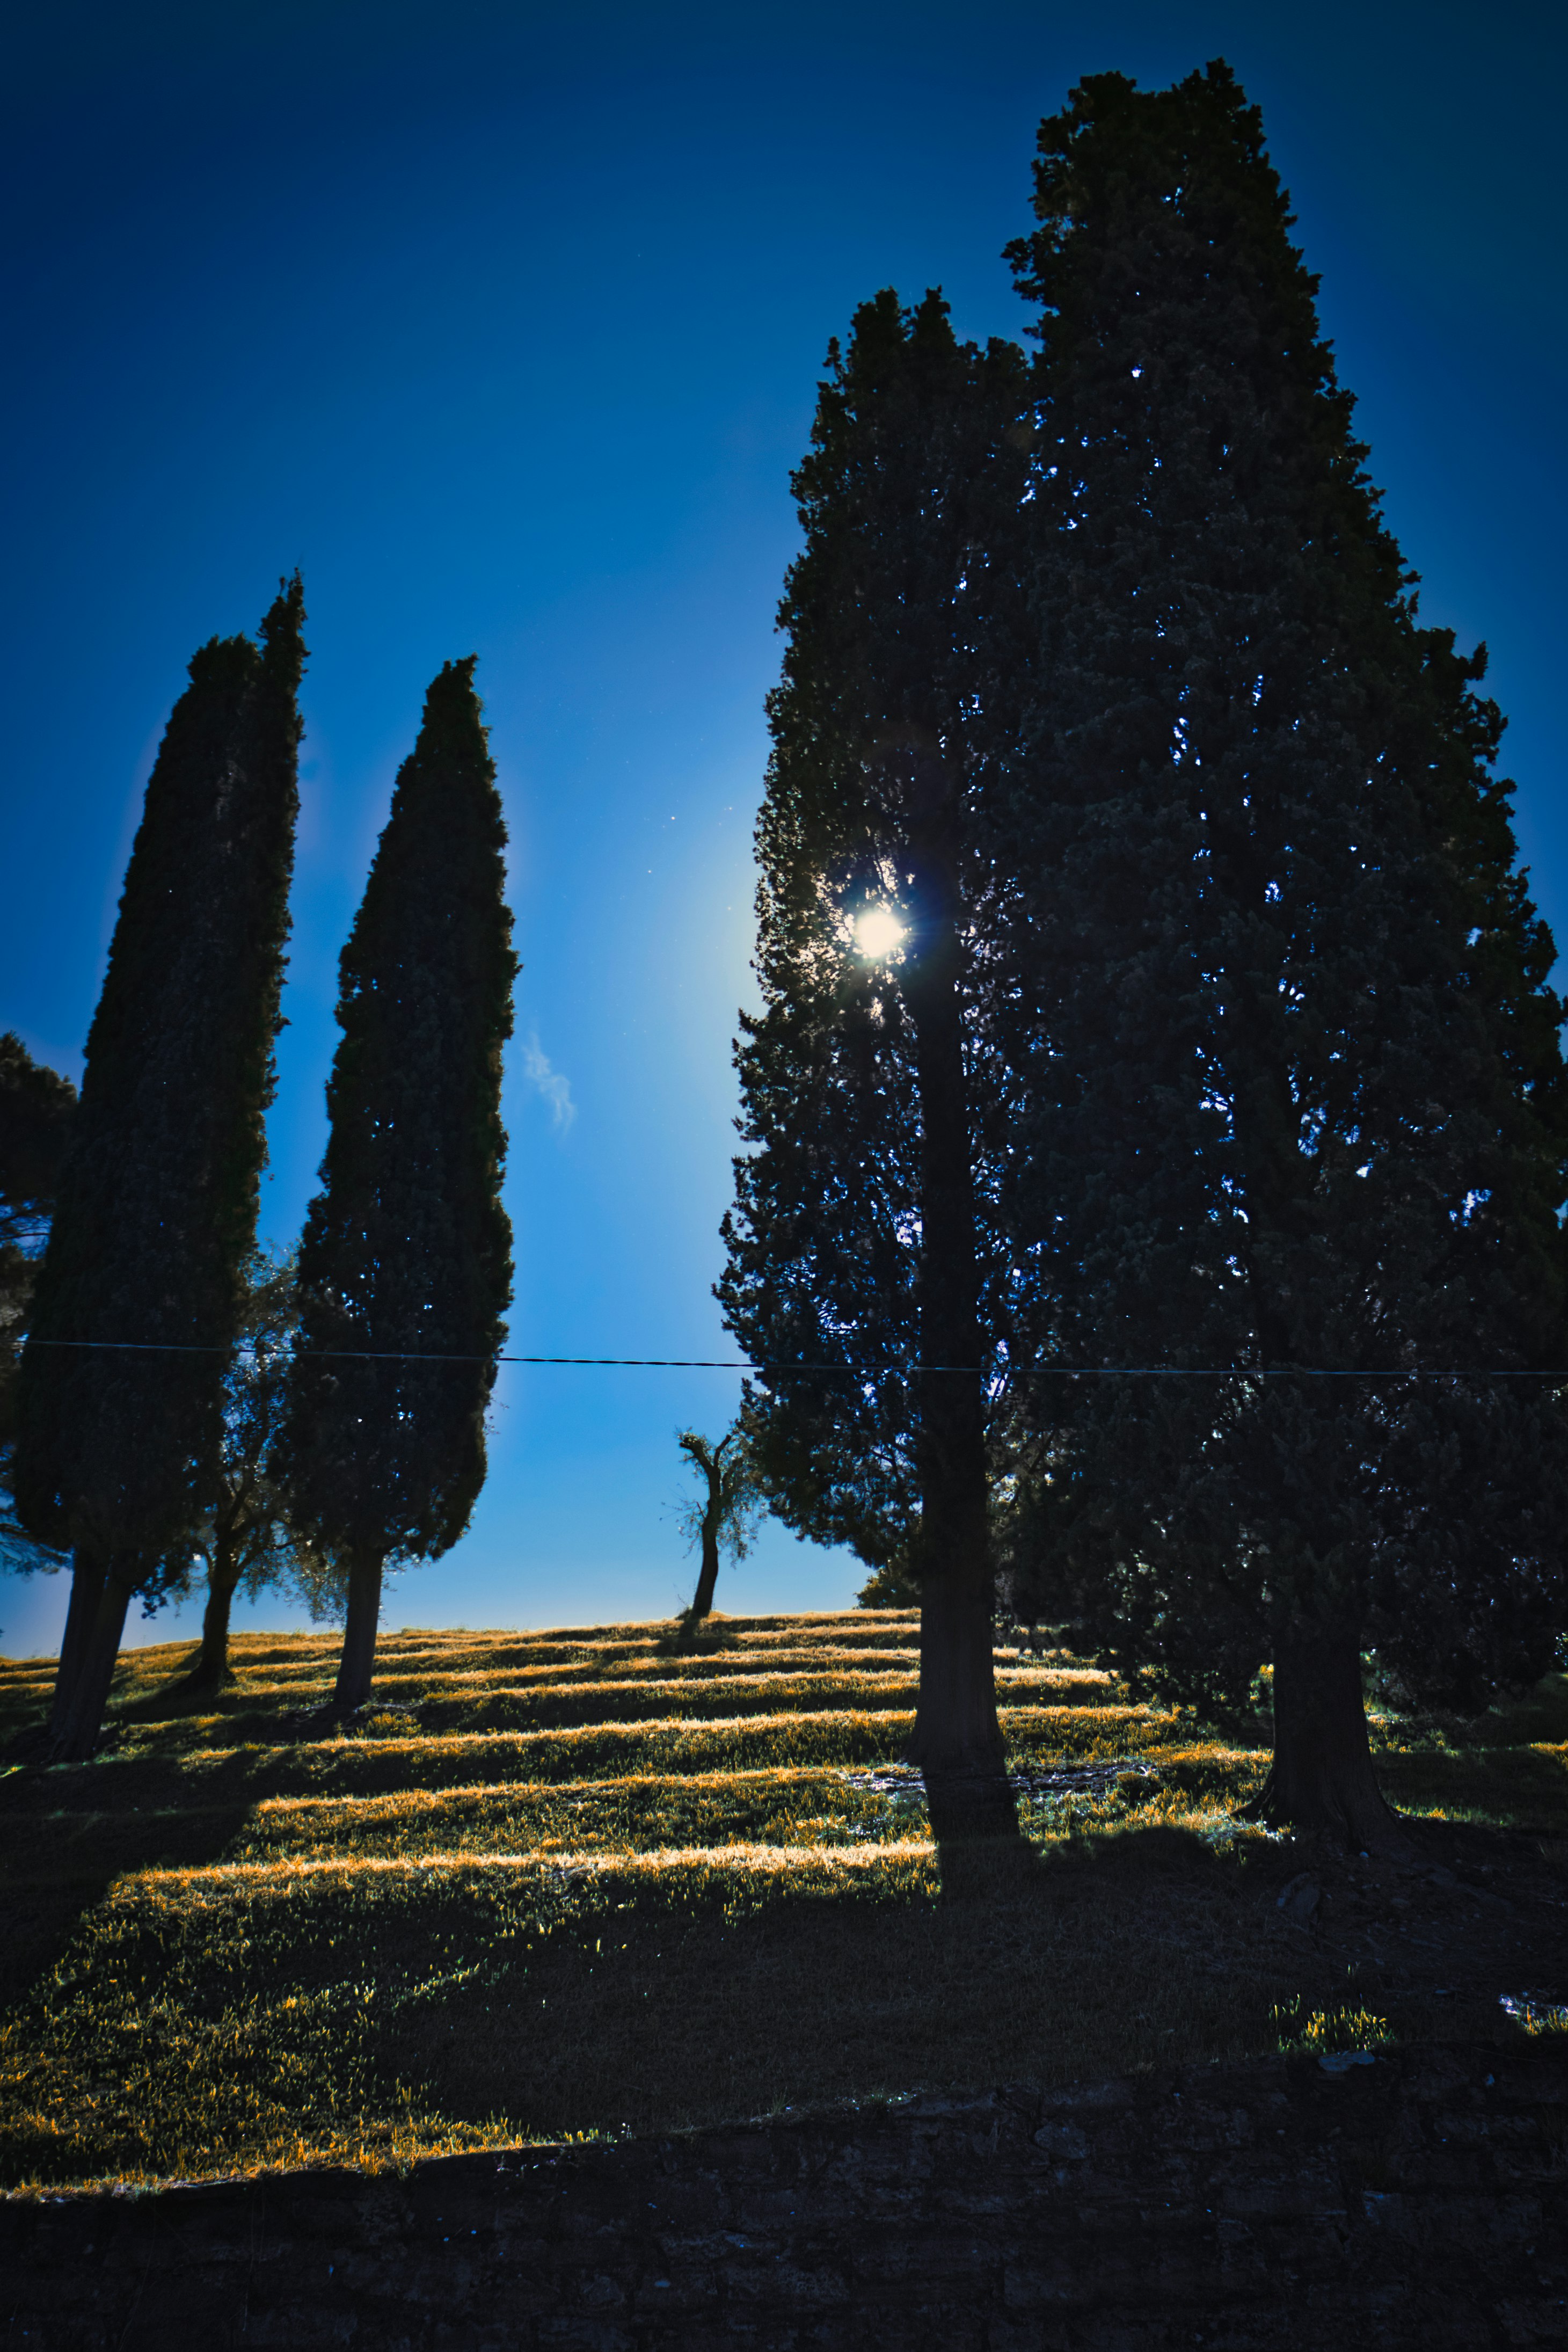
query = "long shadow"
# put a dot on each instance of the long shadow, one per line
(62, 1846)
(68, 1832)
(187, 1693)
(195, 1694)
(645, 2014)
(1520, 1788)
(981, 1850)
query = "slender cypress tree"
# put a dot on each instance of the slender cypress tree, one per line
(862, 1235)
(1295, 1103)
(120, 1405)
(405, 1263)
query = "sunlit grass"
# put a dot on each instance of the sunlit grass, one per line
(639, 1813)
(240, 2013)
(1322, 2032)
(1536, 2017)
(586, 1881)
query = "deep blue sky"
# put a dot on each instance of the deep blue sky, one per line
(503, 323)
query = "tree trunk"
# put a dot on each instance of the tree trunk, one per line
(83, 1719)
(213, 1666)
(957, 1739)
(1322, 1777)
(357, 1661)
(708, 1576)
(87, 1590)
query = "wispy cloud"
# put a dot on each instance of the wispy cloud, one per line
(550, 1082)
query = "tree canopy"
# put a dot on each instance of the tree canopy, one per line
(37, 1111)
(721, 1518)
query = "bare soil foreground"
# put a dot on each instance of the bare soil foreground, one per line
(593, 1887)
(1415, 2199)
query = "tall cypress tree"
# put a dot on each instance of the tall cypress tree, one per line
(139, 1294)
(405, 1263)
(862, 1235)
(1295, 1097)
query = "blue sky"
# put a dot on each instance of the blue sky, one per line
(505, 323)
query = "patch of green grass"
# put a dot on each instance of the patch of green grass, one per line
(1523, 1788)
(1319, 2033)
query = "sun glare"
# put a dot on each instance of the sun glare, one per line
(878, 932)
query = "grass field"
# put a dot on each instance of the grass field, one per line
(584, 1883)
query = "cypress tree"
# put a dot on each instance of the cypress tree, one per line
(861, 1237)
(1294, 1096)
(405, 1262)
(120, 1405)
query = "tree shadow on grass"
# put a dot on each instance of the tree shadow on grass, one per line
(68, 1833)
(188, 1693)
(1014, 1966)
(981, 1850)
(1510, 1788)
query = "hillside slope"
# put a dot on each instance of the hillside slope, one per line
(585, 1883)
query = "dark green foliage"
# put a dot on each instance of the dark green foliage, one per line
(157, 1199)
(1295, 1091)
(862, 1235)
(37, 1111)
(247, 1540)
(893, 641)
(406, 1248)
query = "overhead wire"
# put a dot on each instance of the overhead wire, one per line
(736, 1364)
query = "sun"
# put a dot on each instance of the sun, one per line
(878, 932)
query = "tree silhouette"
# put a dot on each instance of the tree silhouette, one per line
(722, 1519)
(120, 1406)
(862, 1237)
(405, 1262)
(37, 1111)
(247, 1536)
(1291, 1096)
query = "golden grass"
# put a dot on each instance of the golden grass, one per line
(234, 1941)
(642, 1813)
(243, 2013)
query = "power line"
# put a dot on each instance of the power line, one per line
(733, 1364)
(420, 1356)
